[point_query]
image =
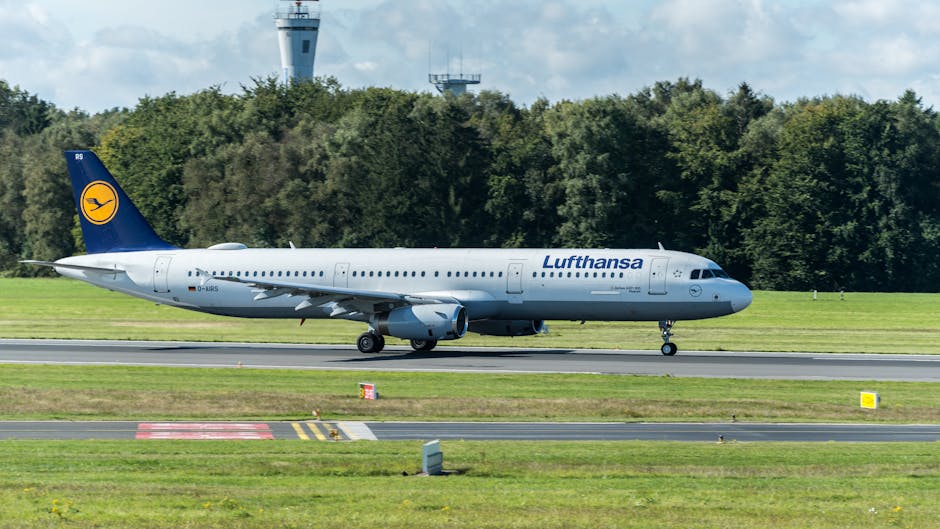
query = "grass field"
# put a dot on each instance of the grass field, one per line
(291, 484)
(294, 484)
(131, 393)
(776, 321)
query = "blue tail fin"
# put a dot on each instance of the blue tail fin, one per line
(110, 221)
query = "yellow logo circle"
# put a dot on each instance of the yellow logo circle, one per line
(99, 202)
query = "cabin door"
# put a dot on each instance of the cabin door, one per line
(658, 275)
(514, 279)
(161, 273)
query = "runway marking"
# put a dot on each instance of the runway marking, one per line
(214, 436)
(202, 430)
(300, 431)
(357, 431)
(202, 426)
(315, 428)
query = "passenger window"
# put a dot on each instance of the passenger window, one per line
(474, 274)
(695, 274)
(448, 273)
(436, 273)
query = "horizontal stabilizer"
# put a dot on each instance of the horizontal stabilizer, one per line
(83, 268)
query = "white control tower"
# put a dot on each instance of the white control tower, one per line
(297, 30)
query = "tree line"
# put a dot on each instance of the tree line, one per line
(822, 193)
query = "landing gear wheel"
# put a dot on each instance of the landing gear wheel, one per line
(665, 329)
(369, 342)
(423, 345)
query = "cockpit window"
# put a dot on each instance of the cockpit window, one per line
(709, 273)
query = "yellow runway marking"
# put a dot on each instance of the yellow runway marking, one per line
(315, 428)
(300, 431)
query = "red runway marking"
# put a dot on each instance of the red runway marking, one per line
(226, 426)
(242, 436)
(204, 430)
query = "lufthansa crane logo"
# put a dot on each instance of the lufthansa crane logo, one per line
(99, 202)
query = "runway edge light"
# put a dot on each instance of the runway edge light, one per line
(869, 400)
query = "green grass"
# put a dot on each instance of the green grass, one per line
(294, 484)
(132, 393)
(776, 321)
(291, 484)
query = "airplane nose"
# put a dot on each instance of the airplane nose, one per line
(740, 297)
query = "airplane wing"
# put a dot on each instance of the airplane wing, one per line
(82, 268)
(342, 301)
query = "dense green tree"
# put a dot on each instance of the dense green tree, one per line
(822, 193)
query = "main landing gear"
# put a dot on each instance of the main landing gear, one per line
(370, 342)
(668, 348)
(423, 345)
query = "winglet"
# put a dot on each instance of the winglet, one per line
(661, 246)
(110, 221)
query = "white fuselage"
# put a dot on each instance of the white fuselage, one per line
(504, 284)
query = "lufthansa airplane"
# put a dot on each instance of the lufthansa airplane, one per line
(421, 295)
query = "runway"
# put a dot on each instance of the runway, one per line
(725, 364)
(426, 431)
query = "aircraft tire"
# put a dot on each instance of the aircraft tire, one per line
(669, 349)
(369, 342)
(423, 345)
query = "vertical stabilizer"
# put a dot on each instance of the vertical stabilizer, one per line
(110, 221)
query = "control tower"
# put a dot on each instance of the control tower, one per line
(451, 82)
(297, 30)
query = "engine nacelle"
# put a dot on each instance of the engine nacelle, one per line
(441, 321)
(508, 327)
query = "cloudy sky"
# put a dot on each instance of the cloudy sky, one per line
(104, 53)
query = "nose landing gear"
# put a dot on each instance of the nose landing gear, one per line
(668, 348)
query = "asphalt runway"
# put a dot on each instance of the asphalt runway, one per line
(741, 364)
(426, 431)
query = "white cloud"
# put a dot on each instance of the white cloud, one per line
(106, 53)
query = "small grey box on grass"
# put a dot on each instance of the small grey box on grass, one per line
(432, 459)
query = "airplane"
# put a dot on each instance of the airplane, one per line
(420, 295)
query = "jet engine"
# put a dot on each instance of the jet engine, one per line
(441, 321)
(508, 327)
